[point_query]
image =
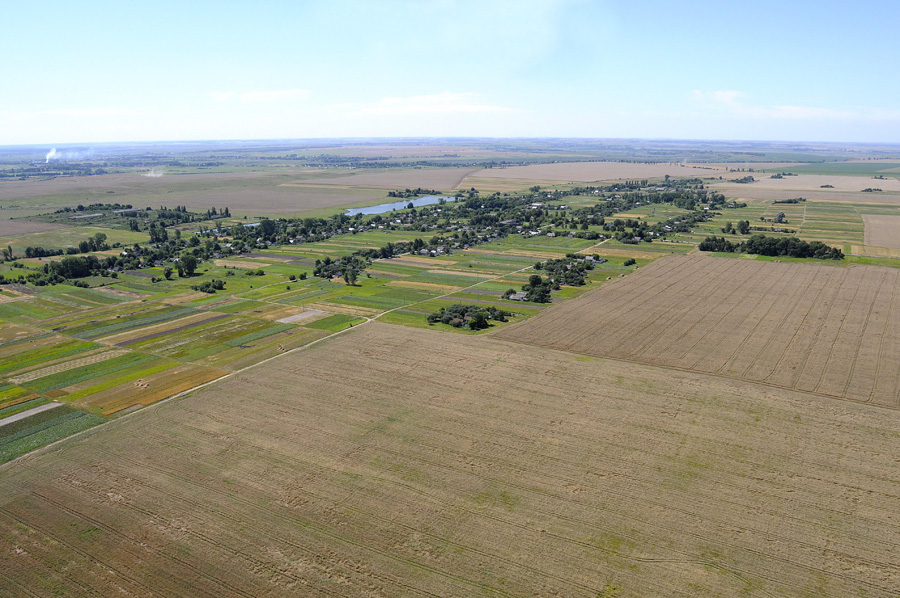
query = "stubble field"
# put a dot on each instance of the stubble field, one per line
(442, 179)
(243, 192)
(829, 330)
(393, 462)
(847, 189)
(882, 231)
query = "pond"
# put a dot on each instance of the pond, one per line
(426, 200)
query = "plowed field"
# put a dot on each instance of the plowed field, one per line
(398, 462)
(823, 329)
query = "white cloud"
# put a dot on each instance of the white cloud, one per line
(439, 103)
(731, 102)
(261, 96)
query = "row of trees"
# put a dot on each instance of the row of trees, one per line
(774, 247)
(743, 227)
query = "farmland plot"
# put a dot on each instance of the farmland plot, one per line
(828, 330)
(882, 231)
(458, 467)
(583, 172)
(443, 179)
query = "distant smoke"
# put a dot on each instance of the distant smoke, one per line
(67, 155)
(153, 173)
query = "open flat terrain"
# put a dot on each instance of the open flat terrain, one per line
(882, 231)
(845, 188)
(442, 179)
(829, 330)
(579, 172)
(683, 430)
(11, 228)
(397, 462)
(243, 192)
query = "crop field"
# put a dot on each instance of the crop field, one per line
(13, 228)
(882, 231)
(826, 330)
(132, 342)
(244, 193)
(867, 168)
(810, 188)
(684, 425)
(435, 465)
(581, 172)
(441, 179)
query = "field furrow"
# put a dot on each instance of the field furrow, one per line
(811, 327)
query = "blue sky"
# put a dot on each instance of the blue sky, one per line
(121, 71)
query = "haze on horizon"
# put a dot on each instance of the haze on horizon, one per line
(109, 72)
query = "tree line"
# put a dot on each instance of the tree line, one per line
(774, 247)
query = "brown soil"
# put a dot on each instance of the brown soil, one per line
(391, 461)
(823, 329)
(882, 231)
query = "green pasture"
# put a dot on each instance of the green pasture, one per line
(69, 237)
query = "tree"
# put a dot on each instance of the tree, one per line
(779, 218)
(743, 226)
(168, 273)
(350, 274)
(188, 265)
(478, 321)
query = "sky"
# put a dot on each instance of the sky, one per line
(82, 72)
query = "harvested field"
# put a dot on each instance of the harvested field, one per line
(457, 468)
(872, 251)
(828, 330)
(812, 183)
(882, 231)
(764, 190)
(442, 179)
(253, 193)
(585, 172)
(12, 228)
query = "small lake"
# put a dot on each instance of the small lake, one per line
(425, 200)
